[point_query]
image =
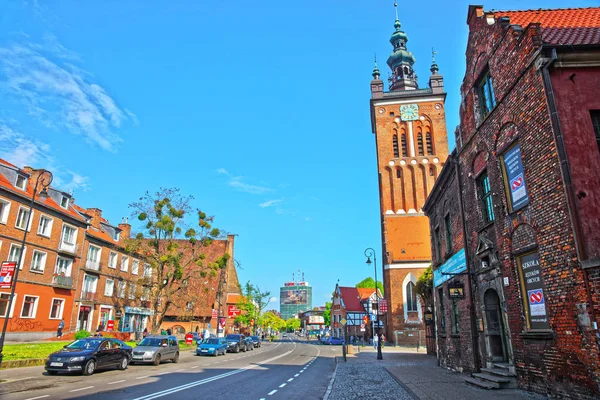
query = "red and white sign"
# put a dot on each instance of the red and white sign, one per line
(383, 305)
(222, 323)
(7, 273)
(233, 311)
(110, 325)
(215, 313)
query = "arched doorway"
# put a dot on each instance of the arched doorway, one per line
(494, 326)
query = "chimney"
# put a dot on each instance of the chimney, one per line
(125, 228)
(96, 214)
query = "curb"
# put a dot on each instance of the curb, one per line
(330, 387)
(29, 362)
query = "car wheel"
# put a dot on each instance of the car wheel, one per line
(123, 364)
(176, 358)
(89, 368)
(52, 372)
(157, 359)
(237, 349)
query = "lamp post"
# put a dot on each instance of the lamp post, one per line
(369, 252)
(45, 178)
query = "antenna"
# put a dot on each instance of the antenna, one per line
(396, 8)
(433, 53)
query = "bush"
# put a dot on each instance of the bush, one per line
(81, 334)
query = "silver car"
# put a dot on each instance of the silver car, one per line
(154, 349)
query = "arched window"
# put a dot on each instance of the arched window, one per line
(395, 145)
(398, 173)
(411, 297)
(404, 146)
(429, 144)
(420, 143)
(431, 171)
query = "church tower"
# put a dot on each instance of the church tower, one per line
(409, 124)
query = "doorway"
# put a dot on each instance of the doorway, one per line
(83, 318)
(495, 327)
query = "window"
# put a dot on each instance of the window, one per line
(15, 252)
(4, 297)
(29, 307)
(89, 284)
(38, 261)
(429, 144)
(56, 311)
(411, 297)
(45, 226)
(485, 91)
(147, 270)
(595, 114)
(437, 244)
(69, 234)
(109, 287)
(189, 306)
(145, 294)
(442, 310)
(112, 260)
(23, 219)
(63, 266)
(455, 316)
(132, 291)
(124, 263)
(135, 266)
(64, 202)
(121, 289)
(116, 236)
(395, 145)
(399, 173)
(21, 182)
(448, 226)
(485, 197)
(4, 210)
(420, 144)
(94, 254)
(431, 171)
(404, 146)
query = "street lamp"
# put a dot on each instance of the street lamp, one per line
(369, 252)
(45, 178)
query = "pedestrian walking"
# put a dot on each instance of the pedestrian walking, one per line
(375, 340)
(382, 340)
(145, 332)
(61, 325)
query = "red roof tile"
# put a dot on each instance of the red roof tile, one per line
(233, 298)
(567, 26)
(365, 293)
(351, 299)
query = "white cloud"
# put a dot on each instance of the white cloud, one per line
(270, 203)
(237, 184)
(61, 95)
(223, 171)
(273, 300)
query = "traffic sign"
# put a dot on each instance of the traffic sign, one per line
(343, 321)
(383, 306)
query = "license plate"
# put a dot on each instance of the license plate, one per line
(203, 351)
(56, 364)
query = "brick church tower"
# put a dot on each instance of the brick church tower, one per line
(412, 145)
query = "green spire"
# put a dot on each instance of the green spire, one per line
(434, 67)
(376, 73)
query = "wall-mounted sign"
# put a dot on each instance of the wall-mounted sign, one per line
(515, 177)
(7, 272)
(454, 266)
(233, 311)
(456, 290)
(533, 291)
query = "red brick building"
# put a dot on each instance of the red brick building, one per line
(528, 159)
(409, 124)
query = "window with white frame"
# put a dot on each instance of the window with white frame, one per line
(23, 219)
(124, 263)
(132, 290)
(147, 270)
(4, 210)
(13, 254)
(38, 261)
(121, 289)
(64, 202)
(63, 266)
(45, 226)
(89, 283)
(93, 257)
(411, 297)
(135, 266)
(56, 310)
(112, 259)
(69, 234)
(4, 300)
(29, 306)
(109, 287)
(21, 182)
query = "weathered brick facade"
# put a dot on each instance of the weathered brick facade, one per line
(526, 242)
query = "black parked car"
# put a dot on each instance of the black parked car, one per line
(236, 342)
(89, 354)
(249, 343)
(256, 341)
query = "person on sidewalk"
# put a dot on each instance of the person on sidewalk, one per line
(61, 325)
(382, 340)
(375, 340)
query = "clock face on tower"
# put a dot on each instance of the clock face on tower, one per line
(409, 112)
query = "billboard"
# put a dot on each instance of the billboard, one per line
(316, 319)
(293, 296)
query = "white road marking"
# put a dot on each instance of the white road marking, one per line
(295, 376)
(272, 392)
(195, 366)
(302, 371)
(115, 382)
(291, 379)
(142, 377)
(282, 385)
(39, 397)
(85, 388)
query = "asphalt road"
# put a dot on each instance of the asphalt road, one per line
(280, 370)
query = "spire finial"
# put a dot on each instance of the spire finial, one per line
(396, 9)
(433, 53)
(375, 73)
(434, 67)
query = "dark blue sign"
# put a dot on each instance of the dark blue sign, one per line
(516, 178)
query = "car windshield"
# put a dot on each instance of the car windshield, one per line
(254, 337)
(85, 344)
(152, 342)
(211, 341)
(233, 337)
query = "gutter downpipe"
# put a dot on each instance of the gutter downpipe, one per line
(566, 174)
(474, 331)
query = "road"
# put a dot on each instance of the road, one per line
(289, 369)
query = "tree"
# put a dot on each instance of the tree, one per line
(424, 287)
(370, 283)
(272, 320)
(292, 324)
(252, 304)
(175, 256)
(327, 313)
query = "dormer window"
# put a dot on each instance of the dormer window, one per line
(21, 182)
(64, 202)
(116, 236)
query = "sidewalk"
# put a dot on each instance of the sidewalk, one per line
(406, 374)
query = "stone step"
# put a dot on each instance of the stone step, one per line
(482, 384)
(498, 371)
(491, 378)
(502, 365)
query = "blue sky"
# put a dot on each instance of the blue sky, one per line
(260, 110)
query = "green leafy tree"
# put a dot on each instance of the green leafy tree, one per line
(174, 250)
(292, 324)
(252, 304)
(272, 320)
(424, 287)
(370, 283)
(327, 313)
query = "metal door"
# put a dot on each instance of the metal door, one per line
(494, 326)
